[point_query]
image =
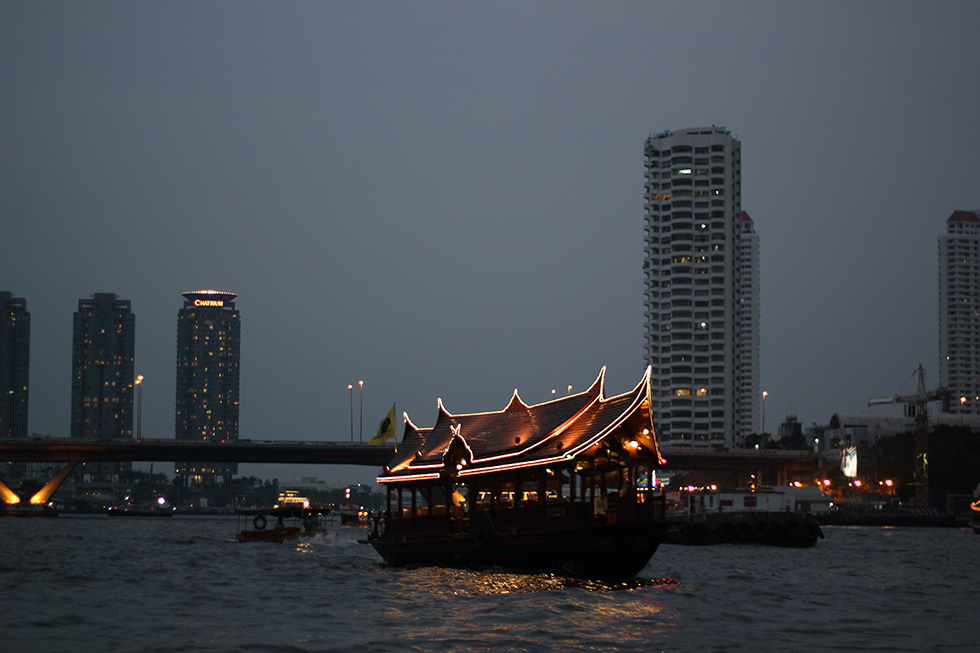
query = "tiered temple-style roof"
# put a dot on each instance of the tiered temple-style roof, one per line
(523, 436)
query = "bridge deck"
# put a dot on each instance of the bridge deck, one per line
(241, 451)
(341, 453)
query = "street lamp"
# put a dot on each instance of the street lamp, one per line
(569, 389)
(139, 408)
(764, 395)
(361, 435)
(552, 394)
(350, 390)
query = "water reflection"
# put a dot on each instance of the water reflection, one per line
(439, 580)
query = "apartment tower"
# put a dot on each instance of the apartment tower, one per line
(959, 311)
(102, 379)
(15, 359)
(700, 265)
(208, 354)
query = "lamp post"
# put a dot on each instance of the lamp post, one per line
(361, 435)
(139, 408)
(569, 389)
(764, 395)
(552, 394)
(350, 390)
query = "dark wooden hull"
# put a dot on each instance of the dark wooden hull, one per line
(594, 551)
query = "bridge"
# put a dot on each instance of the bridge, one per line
(770, 467)
(236, 451)
(74, 450)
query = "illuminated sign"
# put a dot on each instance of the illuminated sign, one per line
(210, 299)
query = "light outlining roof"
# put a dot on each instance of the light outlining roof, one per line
(210, 294)
(522, 435)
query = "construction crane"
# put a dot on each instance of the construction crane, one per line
(916, 406)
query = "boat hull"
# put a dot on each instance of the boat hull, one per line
(126, 512)
(596, 551)
(270, 535)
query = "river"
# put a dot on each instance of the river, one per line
(184, 584)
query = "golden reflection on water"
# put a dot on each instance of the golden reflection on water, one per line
(484, 583)
(564, 616)
(304, 547)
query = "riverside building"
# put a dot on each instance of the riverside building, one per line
(15, 358)
(701, 276)
(208, 355)
(102, 379)
(959, 311)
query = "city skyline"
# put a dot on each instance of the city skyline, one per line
(446, 200)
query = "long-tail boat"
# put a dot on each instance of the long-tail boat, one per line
(565, 485)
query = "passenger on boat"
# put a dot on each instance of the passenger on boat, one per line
(600, 505)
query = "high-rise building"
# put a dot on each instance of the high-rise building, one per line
(701, 289)
(208, 354)
(103, 352)
(15, 358)
(748, 325)
(959, 311)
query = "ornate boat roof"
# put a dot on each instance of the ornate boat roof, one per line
(522, 436)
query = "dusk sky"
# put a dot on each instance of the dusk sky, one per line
(445, 199)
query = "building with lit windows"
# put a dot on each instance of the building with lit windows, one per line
(102, 380)
(748, 325)
(15, 358)
(959, 311)
(208, 355)
(701, 282)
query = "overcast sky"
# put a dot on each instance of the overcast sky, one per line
(446, 199)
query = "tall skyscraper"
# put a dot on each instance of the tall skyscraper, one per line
(748, 325)
(702, 289)
(959, 311)
(15, 358)
(208, 354)
(103, 352)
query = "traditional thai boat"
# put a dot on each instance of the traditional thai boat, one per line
(566, 485)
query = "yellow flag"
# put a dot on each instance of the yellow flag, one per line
(387, 429)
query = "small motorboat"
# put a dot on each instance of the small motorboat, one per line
(279, 523)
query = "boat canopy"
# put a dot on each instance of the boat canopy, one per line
(294, 510)
(522, 436)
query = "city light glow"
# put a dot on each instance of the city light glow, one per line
(9, 496)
